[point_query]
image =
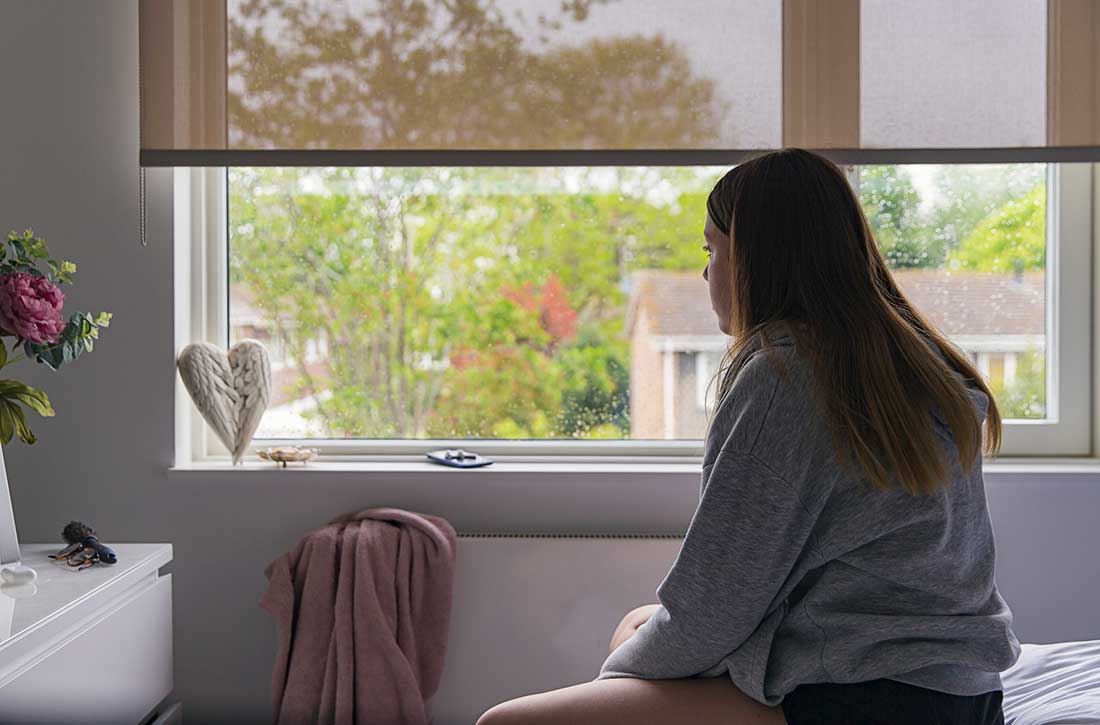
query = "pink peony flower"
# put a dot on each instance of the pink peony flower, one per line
(30, 307)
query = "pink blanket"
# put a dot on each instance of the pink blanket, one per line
(362, 608)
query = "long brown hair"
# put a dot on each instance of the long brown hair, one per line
(802, 256)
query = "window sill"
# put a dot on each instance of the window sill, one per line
(1077, 464)
(504, 464)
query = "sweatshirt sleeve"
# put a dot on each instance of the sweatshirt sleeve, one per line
(743, 541)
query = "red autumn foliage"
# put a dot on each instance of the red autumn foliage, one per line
(463, 358)
(555, 314)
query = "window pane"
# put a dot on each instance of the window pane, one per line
(949, 73)
(473, 302)
(504, 74)
(967, 246)
(565, 303)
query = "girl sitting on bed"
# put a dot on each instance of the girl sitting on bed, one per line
(839, 567)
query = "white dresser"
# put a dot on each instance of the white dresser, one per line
(91, 646)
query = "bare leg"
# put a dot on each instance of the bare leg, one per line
(698, 701)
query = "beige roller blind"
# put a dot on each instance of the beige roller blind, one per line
(182, 70)
(486, 75)
(334, 82)
(951, 74)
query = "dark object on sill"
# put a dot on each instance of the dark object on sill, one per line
(458, 458)
(84, 548)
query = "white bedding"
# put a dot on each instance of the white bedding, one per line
(1054, 684)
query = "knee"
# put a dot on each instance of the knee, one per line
(502, 714)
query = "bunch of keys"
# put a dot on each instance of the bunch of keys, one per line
(458, 458)
(83, 548)
(76, 555)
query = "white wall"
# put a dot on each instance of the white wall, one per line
(69, 169)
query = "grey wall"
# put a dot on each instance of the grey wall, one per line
(68, 168)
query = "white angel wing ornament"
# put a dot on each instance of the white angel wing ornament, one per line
(252, 380)
(230, 390)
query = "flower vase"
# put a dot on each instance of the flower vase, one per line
(12, 570)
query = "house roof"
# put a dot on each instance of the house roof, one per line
(958, 303)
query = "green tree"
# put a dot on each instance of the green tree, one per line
(1011, 238)
(595, 396)
(1026, 396)
(391, 264)
(968, 193)
(892, 206)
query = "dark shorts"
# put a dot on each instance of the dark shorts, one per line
(887, 702)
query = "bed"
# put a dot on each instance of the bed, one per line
(1054, 684)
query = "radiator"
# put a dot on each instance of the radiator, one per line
(534, 612)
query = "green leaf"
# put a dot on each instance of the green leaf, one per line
(33, 398)
(75, 339)
(21, 428)
(7, 423)
(3, 354)
(25, 249)
(37, 249)
(53, 275)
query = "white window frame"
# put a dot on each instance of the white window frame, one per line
(1067, 429)
(199, 198)
(702, 376)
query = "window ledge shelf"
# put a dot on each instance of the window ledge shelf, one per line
(1076, 465)
(501, 465)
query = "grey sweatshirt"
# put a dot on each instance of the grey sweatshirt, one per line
(794, 571)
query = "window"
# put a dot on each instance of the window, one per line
(518, 308)
(449, 229)
(987, 253)
(471, 303)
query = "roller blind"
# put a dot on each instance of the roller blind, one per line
(225, 82)
(937, 73)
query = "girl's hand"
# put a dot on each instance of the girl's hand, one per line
(634, 618)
